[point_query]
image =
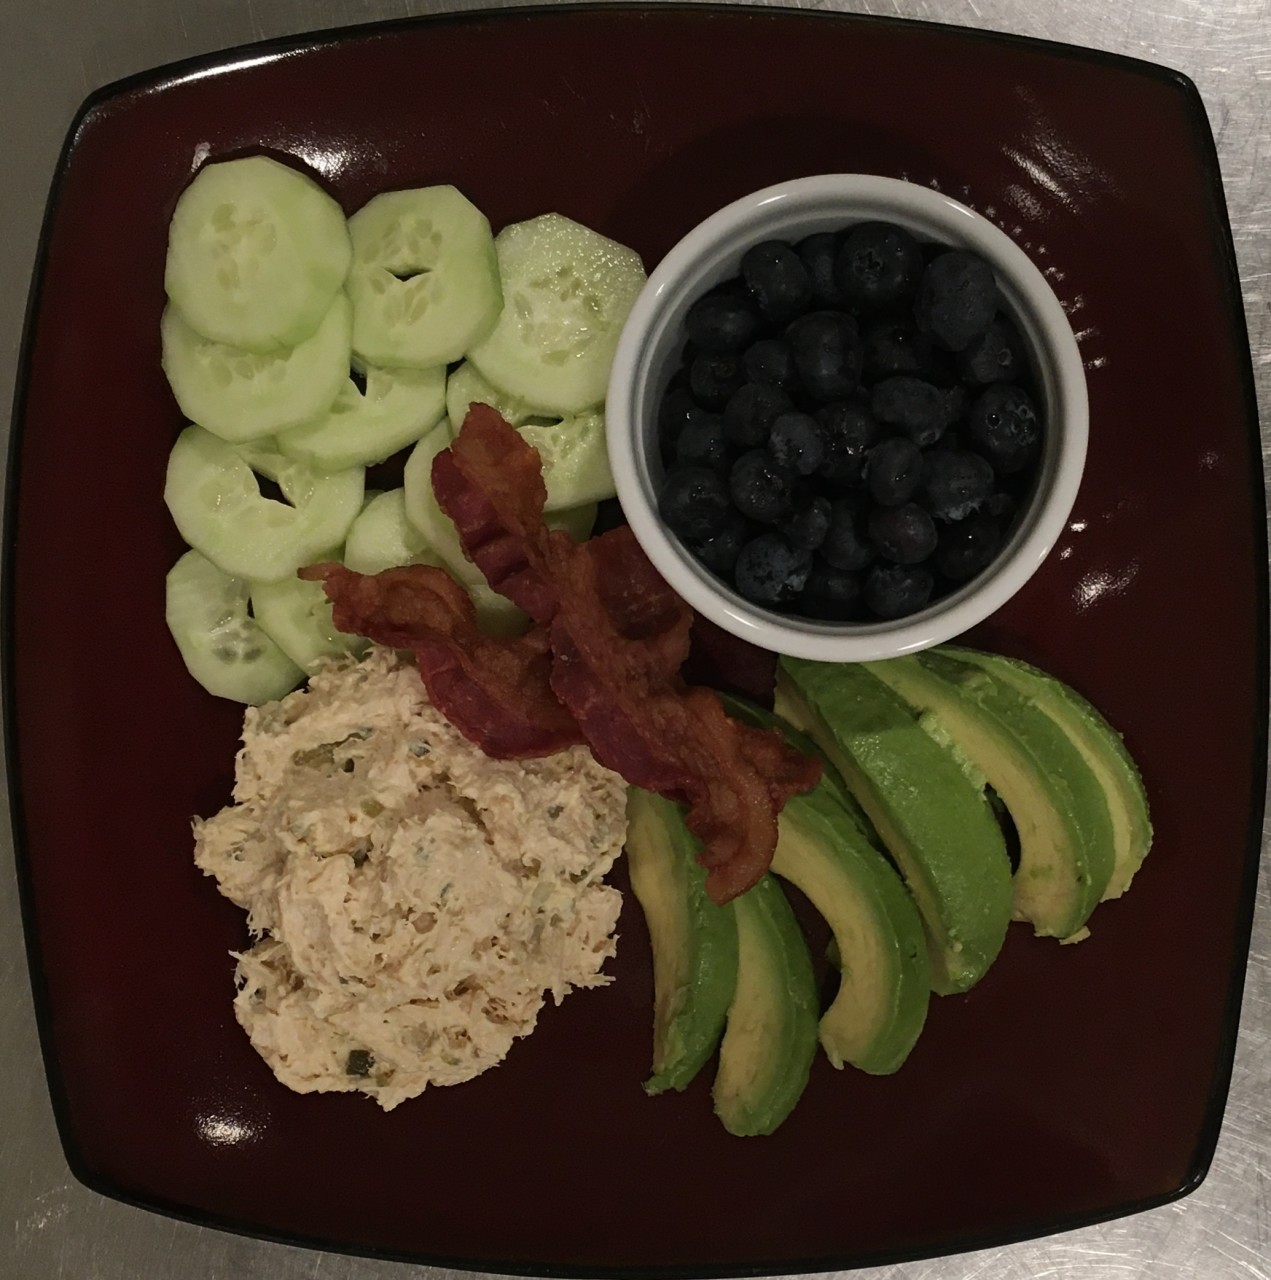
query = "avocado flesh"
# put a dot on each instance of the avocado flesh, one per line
(1102, 749)
(694, 942)
(770, 1039)
(931, 815)
(824, 848)
(1055, 801)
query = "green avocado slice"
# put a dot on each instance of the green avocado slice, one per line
(694, 941)
(1055, 801)
(1102, 749)
(930, 812)
(825, 848)
(770, 1039)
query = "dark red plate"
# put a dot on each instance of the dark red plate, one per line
(1074, 1083)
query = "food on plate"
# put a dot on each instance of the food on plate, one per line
(376, 412)
(1101, 747)
(924, 799)
(257, 252)
(214, 497)
(827, 849)
(297, 616)
(693, 940)
(242, 395)
(424, 278)
(618, 638)
(1052, 795)
(765, 1056)
(567, 292)
(412, 900)
(224, 648)
(381, 537)
(853, 425)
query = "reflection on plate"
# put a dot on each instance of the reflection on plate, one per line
(1067, 1086)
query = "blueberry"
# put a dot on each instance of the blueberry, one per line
(777, 279)
(893, 471)
(694, 503)
(751, 411)
(760, 488)
(997, 355)
(722, 322)
(903, 535)
(1004, 427)
(955, 483)
(849, 430)
(827, 354)
(897, 590)
(1001, 506)
(895, 346)
(797, 443)
(677, 410)
(818, 252)
(922, 411)
(769, 360)
(719, 553)
(879, 265)
(831, 594)
(845, 545)
(957, 297)
(806, 525)
(770, 571)
(713, 377)
(703, 443)
(967, 548)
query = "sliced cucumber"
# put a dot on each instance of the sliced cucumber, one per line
(496, 614)
(239, 394)
(223, 648)
(362, 427)
(424, 278)
(296, 616)
(256, 253)
(567, 292)
(215, 499)
(425, 513)
(572, 448)
(382, 538)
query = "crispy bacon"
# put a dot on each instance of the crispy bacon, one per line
(496, 692)
(619, 636)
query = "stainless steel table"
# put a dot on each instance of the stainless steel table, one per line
(52, 53)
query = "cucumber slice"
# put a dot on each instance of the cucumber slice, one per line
(296, 616)
(572, 449)
(425, 513)
(496, 614)
(567, 290)
(362, 427)
(424, 278)
(223, 648)
(382, 538)
(240, 395)
(215, 499)
(256, 253)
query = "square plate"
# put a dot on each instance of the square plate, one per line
(1073, 1083)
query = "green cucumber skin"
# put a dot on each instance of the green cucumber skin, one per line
(1099, 742)
(691, 1005)
(775, 974)
(951, 853)
(1076, 799)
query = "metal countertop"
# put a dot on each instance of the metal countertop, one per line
(52, 54)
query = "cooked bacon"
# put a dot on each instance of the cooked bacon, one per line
(619, 636)
(496, 692)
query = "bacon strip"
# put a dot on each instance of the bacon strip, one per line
(619, 636)
(496, 692)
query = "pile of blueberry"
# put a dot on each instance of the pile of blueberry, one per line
(852, 428)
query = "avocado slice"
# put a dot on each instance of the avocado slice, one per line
(694, 941)
(1101, 747)
(1053, 797)
(770, 1039)
(929, 810)
(825, 848)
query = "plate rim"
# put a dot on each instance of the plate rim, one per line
(169, 75)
